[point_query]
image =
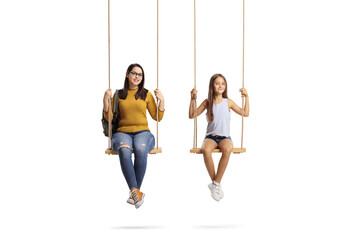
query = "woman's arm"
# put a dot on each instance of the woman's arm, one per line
(151, 105)
(160, 97)
(200, 109)
(243, 112)
(106, 100)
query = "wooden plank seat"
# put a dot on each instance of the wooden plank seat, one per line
(216, 150)
(110, 151)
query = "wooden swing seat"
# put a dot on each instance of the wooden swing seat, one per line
(110, 151)
(216, 150)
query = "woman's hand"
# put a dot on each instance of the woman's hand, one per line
(107, 97)
(244, 92)
(159, 95)
(194, 94)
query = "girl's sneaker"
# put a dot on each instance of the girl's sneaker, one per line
(216, 191)
(137, 197)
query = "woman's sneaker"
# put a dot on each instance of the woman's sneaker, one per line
(130, 200)
(137, 197)
(216, 191)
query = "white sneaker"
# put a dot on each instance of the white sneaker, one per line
(216, 191)
(221, 191)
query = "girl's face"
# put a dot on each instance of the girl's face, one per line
(135, 77)
(219, 86)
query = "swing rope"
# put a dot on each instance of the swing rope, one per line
(109, 110)
(157, 149)
(195, 104)
(157, 73)
(235, 150)
(243, 75)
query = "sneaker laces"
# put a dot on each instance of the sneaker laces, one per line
(217, 189)
(134, 195)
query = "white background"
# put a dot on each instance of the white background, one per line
(299, 178)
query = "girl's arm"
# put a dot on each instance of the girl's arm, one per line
(243, 112)
(200, 109)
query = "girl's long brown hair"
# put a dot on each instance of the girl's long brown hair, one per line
(211, 96)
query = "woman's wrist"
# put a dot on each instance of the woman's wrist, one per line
(161, 108)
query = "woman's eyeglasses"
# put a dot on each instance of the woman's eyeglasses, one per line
(137, 74)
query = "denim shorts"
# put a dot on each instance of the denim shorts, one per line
(217, 139)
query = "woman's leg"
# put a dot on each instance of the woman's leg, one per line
(143, 143)
(208, 147)
(122, 143)
(226, 147)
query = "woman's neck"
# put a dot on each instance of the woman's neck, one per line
(133, 87)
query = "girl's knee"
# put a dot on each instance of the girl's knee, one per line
(207, 151)
(227, 150)
(226, 147)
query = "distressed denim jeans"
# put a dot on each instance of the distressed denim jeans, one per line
(141, 143)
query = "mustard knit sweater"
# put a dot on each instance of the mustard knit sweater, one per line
(133, 112)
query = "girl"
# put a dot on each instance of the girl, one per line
(133, 132)
(218, 130)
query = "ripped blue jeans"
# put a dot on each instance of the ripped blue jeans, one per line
(142, 143)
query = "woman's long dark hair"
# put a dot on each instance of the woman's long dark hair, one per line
(211, 96)
(141, 92)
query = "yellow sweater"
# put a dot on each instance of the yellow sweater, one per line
(133, 112)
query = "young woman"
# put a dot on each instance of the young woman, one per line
(218, 107)
(133, 133)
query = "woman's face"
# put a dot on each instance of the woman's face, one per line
(219, 85)
(135, 77)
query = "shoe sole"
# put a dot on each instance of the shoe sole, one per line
(218, 200)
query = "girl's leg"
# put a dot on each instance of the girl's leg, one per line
(122, 143)
(143, 143)
(208, 147)
(226, 146)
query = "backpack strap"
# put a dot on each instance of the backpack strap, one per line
(116, 102)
